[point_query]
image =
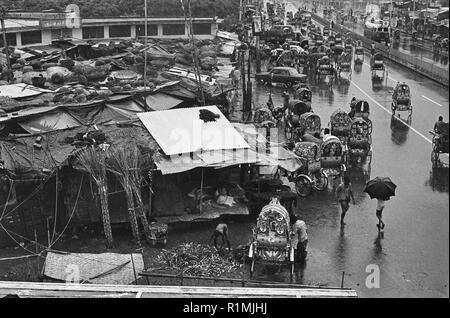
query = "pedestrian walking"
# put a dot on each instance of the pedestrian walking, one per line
(343, 194)
(382, 189)
(299, 239)
(381, 203)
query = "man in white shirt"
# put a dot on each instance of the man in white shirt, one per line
(299, 237)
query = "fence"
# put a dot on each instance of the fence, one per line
(422, 67)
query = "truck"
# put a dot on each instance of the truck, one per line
(279, 33)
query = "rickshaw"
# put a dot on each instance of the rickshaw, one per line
(303, 64)
(272, 238)
(310, 123)
(440, 146)
(378, 69)
(310, 176)
(340, 125)
(158, 233)
(338, 38)
(360, 141)
(344, 66)
(331, 40)
(359, 55)
(263, 117)
(337, 49)
(325, 70)
(360, 108)
(401, 98)
(334, 157)
(295, 111)
(397, 35)
(348, 48)
(319, 39)
(304, 94)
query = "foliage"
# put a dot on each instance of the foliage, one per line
(156, 8)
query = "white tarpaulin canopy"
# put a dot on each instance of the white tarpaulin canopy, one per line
(21, 90)
(181, 131)
(258, 153)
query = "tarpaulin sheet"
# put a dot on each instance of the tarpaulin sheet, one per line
(57, 120)
(105, 268)
(21, 90)
(21, 114)
(180, 131)
(162, 101)
(22, 159)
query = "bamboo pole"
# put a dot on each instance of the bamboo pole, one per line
(94, 162)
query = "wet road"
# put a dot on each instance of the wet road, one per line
(405, 45)
(413, 254)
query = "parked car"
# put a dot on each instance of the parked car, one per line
(285, 75)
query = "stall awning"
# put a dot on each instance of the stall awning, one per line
(21, 90)
(180, 131)
(161, 101)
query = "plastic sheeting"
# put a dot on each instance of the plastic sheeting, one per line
(181, 131)
(21, 90)
(162, 102)
(57, 120)
(105, 268)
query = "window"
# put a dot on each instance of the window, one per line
(10, 38)
(31, 37)
(119, 31)
(152, 30)
(93, 33)
(202, 28)
(173, 29)
(64, 33)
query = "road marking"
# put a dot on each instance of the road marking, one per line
(389, 112)
(431, 100)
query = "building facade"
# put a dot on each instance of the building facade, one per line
(41, 28)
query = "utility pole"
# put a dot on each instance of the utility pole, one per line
(5, 42)
(196, 64)
(145, 55)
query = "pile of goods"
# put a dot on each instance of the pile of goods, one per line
(193, 259)
(208, 116)
(91, 138)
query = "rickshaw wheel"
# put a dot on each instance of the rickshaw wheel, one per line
(303, 186)
(321, 182)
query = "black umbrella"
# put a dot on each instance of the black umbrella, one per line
(380, 188)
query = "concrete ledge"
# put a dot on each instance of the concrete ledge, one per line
(50, 290)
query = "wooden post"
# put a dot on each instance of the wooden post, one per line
(5, 42)
(134, 269)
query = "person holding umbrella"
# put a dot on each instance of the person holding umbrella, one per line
(381, 189)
